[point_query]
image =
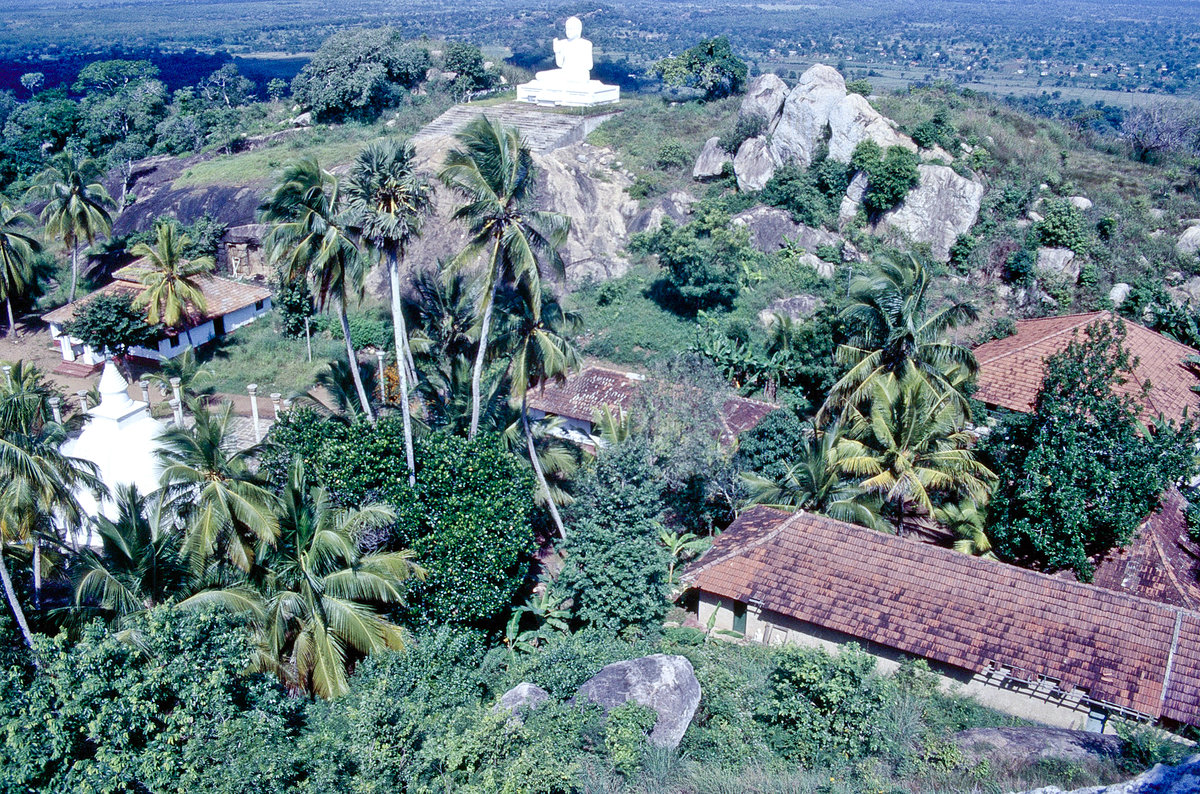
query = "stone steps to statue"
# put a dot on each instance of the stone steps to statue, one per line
(543, 130)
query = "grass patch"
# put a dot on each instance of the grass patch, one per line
(331, 145)
(260, 353)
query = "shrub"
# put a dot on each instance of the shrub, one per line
(1021, 266)
(795, 189)
(625, 735)
(770, 444)
(890, 179)
(673, 155)
(998, 328)
(615, 569)
(365, 330)
(357, 73)
(746, 127)
(562, 665)
(295, 304)
(937, 131)
(821, 706)
(110, 322)
(704, 259)
(962, 249)
(861, 86)
(710, 67)
(1062, 226)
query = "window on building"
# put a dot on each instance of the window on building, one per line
(258, 306)
(739, 617)
(172, 340)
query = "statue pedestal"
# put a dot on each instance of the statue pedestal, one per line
(571, 95)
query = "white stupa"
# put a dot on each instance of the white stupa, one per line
(120, 437)
(571, 84)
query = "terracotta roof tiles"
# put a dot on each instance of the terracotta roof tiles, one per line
(1011, 370)
(964, 611)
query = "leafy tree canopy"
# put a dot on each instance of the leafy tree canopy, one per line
(1078, 475)
(710, 67)
(110, 322)
(357, 73)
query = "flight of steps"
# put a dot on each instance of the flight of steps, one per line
(543, 130)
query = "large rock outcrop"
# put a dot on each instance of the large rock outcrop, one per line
(803, 121)
(764, 98)
(1059, 261)
(666, 684)
(941, 207)
(523, 697)
(1182, 779)
(853, 120)
(753, 164)
(711, 161)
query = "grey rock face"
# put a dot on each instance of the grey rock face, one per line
(1182, 779)
(853, 120)
(764, 98)
(524, 696)
(753, 164)
(711, 161)
(1189, 241)
(1004, 743)
(853, 199)
(1081, 203)
(1061, 261)
(941, 207)
(666, 684)
(805, 115)
(798, 307)
(1118, 293)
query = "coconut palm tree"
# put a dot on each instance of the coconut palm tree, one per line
(493, 170)
(138, 566)
(814, 481)
(966, 521)
(909, 447)
(195, 379)
(39, 484)
(389, 200)
(612, 426)
(225, 510)
(76, 205)
(173, 290)
(539, 336)
(894, 333)
(337, 380)
(320, 590)
(310, 238)
(17, 249)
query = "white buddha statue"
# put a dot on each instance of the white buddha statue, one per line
(570, 84)
(572, 56)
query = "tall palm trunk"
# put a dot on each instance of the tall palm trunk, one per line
(358, 384)
(18, 613)
(484, 329)
(12, 324)
(74, 271)
(401, 333)
(537, 468)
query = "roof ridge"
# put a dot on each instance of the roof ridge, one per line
(738, 550)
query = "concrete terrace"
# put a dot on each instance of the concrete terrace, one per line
(544, 130)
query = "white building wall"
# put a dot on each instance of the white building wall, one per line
(1042, 703)
(73, 349)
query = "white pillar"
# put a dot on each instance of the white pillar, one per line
(379, 354)
(82, 395)
(275, 398)
(175, 387)
(145, 387)
(177, 410)
(253, 389)
(7, 374)
(56, 409)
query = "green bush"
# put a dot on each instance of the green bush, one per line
(746, 127)
(295, 304)
(890, 179)
(1062, 226)
(795, 189)
(615, 569)
(821, 707)
(469, 519)
(861, 86)
(625, 735)
(770, 444)
(1021, 266)
(673, 155)
(962, 249)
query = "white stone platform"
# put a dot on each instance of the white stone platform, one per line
(543, 130)
(572, 95)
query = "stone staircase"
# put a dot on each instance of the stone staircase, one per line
(543, 130)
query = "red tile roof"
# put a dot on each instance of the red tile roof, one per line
(582, 394)
(1011, 370)
(221, 295)
(1162, 563)
(960, 610)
